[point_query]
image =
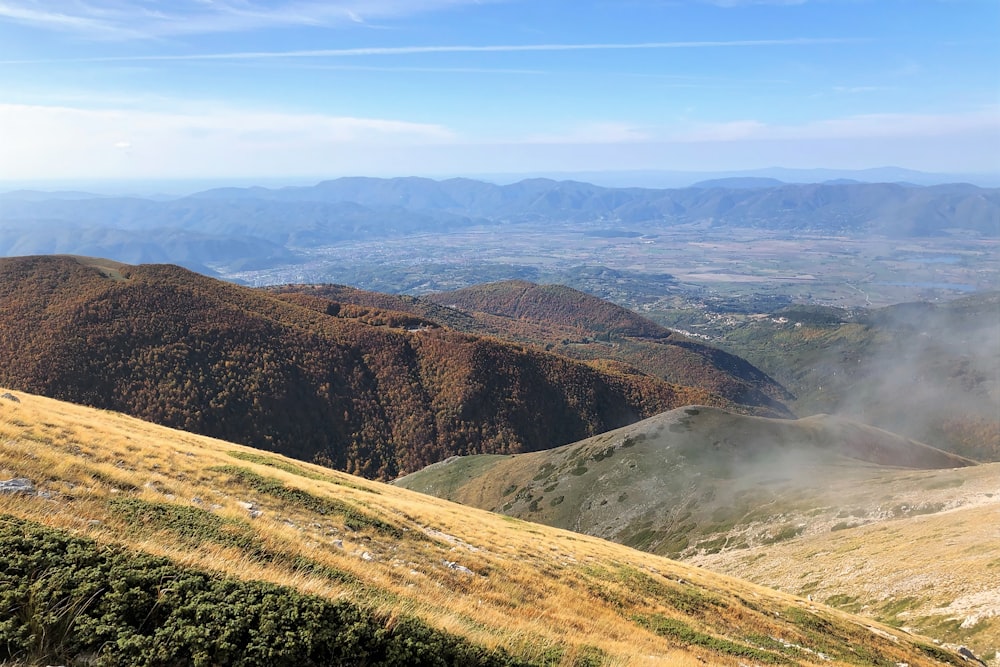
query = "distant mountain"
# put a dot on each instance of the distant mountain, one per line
(370, 391)
(365, 208)
(658, 178)
(740, 183)
(865, 207)
(190, 249)
(42, 195)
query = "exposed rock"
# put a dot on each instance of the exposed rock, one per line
(20, 485)
(431, 532)
(251, 508)
(451, 565)
(969, 655)
(10, 397)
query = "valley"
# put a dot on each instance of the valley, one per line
(649, 264)
(839, 243)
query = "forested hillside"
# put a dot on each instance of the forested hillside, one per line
(577, 325)
(371, 392)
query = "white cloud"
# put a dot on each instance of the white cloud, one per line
(859, 126)
(455, 48)
(855, 90)
(68, 142)
(125, 19)
(730, 131)
(591, 133)
(741, 3)
(188, 140)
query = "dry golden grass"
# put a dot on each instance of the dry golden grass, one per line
(539, 592)
(936, 574)
(910, 547)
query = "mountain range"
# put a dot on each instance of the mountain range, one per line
(237, 228)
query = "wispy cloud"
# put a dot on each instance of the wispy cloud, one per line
(861, 126)
(54, 19)
(46, 139)
(450, 48)
(211, 140)
(850, 127)
(424, 70)
(124, 19)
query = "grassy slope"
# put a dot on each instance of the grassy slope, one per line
(731, 491)
(543, 594)
(932, 573)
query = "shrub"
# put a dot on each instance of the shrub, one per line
(353, 518)
(68, 599)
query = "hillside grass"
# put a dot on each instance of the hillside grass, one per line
(468, 578)
(780, 503)
(932, 573)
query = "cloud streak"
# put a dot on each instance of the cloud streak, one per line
(122, 19)
(467, 48)
(743, 3)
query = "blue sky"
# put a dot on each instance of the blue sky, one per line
(151, 89)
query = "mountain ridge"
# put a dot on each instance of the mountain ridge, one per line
(576, 325)
(370, 391)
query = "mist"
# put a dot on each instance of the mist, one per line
(927, 371)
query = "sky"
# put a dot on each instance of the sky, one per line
(304, 89)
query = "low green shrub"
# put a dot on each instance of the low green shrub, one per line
(679, 631)
(70, 600)
(353, 518)
(297, 470)
(192, 526)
